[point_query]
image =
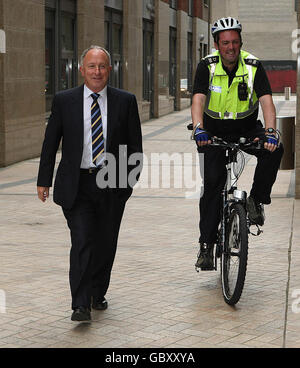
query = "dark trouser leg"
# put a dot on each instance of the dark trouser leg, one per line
(94, 223)
(81, 222)
(266, 169)
(265, 174)
(104, 253)
(210, 202)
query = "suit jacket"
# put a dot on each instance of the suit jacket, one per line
(66, 124)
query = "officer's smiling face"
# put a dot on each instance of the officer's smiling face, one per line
(229, 46)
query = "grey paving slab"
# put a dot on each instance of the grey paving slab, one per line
(156, 299)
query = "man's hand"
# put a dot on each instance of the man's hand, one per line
(43, 193)
(271, 144)
(269, 113)
(201, 136)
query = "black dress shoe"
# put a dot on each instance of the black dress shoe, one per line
(99, 303)
(81, 314)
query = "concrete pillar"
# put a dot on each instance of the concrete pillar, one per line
(184, 25)
(22, 80)
(181, 45)
(90, 25)
(156, 59)
(2, 125)
(297, 128)
(164, 104)
(133, 47)
(2, 56)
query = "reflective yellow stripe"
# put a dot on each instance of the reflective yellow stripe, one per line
(96, 121)
(98, 137)
(94, 159)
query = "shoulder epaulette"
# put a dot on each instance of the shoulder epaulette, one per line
(253, 62)
(211, 59)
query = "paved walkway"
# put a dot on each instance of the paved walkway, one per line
(156, 299)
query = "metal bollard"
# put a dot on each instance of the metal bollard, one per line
(2, 42)
(287, 93)
(286, 126)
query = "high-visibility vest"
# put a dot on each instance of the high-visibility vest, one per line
(222, 102)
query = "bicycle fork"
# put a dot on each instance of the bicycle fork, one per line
(222, 231)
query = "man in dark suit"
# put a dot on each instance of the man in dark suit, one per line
(93, 122)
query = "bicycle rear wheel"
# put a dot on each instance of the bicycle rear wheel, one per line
(235, 254)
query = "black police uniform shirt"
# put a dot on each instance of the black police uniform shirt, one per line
(230, 127)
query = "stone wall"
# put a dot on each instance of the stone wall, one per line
(22, 80)
(297, 130)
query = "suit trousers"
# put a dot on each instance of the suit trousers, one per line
(215, 175)
(94, 222)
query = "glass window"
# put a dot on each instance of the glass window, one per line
(173, 63)
(190, 63)
(148, 62)
(203, 50)
(173, 4)
(49, 57)
(60, 47)
(114, 44)
(68, 63)
(115, 4)
(191, 8)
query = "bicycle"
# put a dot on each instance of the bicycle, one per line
(234, 226)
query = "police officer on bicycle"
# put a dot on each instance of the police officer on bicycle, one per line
(229, 85)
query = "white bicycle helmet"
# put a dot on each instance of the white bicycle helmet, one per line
(225, 24)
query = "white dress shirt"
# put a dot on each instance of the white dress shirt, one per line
(87, 159)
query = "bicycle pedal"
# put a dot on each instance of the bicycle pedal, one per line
(208, 269)
(258, 231)
(198, 269)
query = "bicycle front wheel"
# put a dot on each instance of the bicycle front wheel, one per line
(235, 254)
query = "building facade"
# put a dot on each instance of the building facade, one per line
(155, 47)
(268, 33)
(271, 31)
(297, 127)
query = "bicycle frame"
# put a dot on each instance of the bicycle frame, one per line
(232, 244)
(230, 194)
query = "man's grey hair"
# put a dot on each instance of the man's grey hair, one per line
(96, 48)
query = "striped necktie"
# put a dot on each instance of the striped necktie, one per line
(97, 129)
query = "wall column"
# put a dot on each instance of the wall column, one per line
(90, 26)
(297, 128)
(133, 47)
(22, 80)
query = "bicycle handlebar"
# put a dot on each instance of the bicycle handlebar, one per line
(243, 143)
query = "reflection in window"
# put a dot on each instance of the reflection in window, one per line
(190, 63)
(191, 8)
(173, 4)
(68, 67)
(49, 57)
(60, 47)
(114, 44)
(148, 63)
(173, 62)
